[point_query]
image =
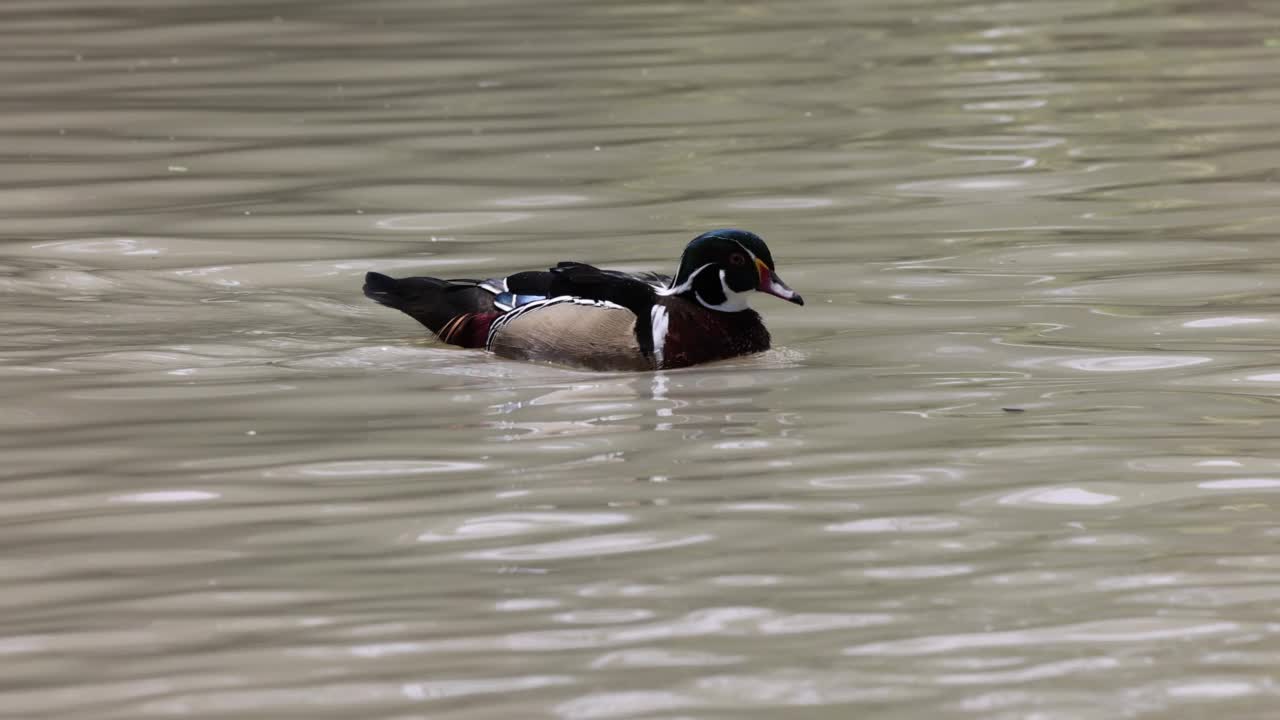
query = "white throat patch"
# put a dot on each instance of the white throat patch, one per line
(733, 301)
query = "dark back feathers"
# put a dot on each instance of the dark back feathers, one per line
(428, 300)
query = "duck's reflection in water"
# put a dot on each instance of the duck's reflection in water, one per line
(720, 403)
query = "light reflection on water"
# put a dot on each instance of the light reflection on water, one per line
(1015, 458)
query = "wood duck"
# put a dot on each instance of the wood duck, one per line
(582, 316)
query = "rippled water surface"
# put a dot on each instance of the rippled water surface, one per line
(1017, 457)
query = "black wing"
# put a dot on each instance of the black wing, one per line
(567, 275)
(590, 282)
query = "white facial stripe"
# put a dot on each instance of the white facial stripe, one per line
(745, 250)
(734, 301)
(658, 320)
(684, 286)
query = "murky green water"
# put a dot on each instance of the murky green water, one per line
(1017, 458)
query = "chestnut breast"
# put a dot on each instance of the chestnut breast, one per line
(695, 334)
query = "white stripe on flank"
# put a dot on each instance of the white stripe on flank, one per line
(658, 320)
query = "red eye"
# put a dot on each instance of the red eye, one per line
(737, 259)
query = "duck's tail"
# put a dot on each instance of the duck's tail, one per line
(459, 312)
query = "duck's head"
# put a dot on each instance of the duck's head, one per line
(720, 268)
